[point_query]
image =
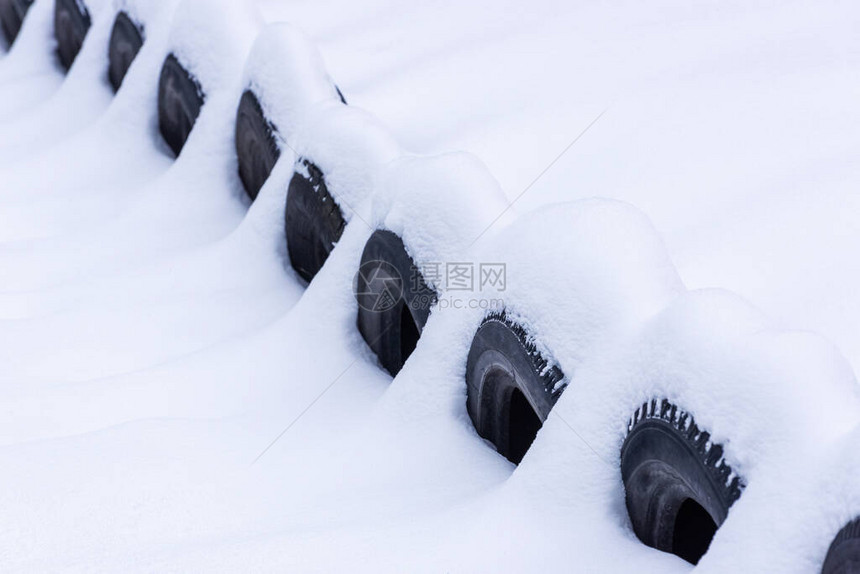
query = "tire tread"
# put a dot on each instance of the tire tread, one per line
(711, 455)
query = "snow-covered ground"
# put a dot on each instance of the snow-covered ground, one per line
(173, 398)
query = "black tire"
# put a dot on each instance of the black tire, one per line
(71, 24)
(180, 99)
(126, 40)
(256, 147)
(312, 220)
(394, 301)
(510, 387)
(12, 13)
(843, 556)
(678, 487)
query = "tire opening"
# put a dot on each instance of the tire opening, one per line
(694, 530)
(523, 426)
(409, 334)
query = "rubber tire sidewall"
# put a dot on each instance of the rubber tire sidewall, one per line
(313, 222)
(498, 364)
(256, 149)
(653, 454)
(126, 40)
(843, 556)
(12, 14)
(179, 103)
(381, 329)
(70, 30)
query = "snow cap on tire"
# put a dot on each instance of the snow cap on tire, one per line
(754, 386)
(212, 39)
(763, 394)
(284, 79)
(340, 151)
(350, 147)
(771, 398)
(818, 483)
(426, 212)
(572, 275)
(439, 206)
(207, 48)
(579, 273)
(286, 73)
(145, 12)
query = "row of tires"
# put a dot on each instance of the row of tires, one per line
(679, 487)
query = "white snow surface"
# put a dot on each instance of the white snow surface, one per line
(146, 13)
(174, 398)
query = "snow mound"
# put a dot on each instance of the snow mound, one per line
(771, 398)
(144, 12)
(154, 330)
(757, 389)
(754, 386)
(581, 272)
(350, 147)
(439, 206)
(212, 39)
(96, 7)
(287, 74)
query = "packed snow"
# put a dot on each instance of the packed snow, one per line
(670, 185)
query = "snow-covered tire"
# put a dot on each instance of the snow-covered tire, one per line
(312, 220)
(843, 556)
(510, 387)
(12, 13)
(71, 24)
(180, 99)
(256, 148)
(126, 40)
(394, 301)
(678, 486)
